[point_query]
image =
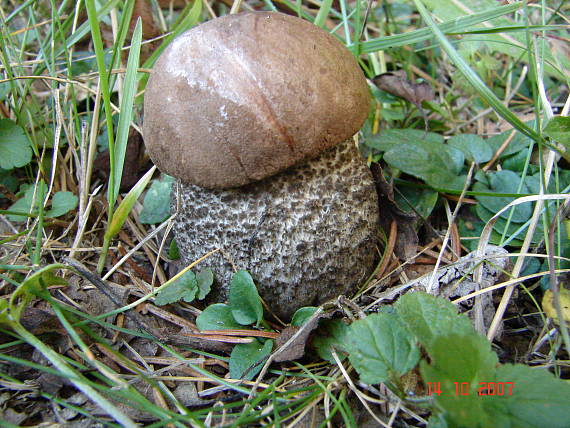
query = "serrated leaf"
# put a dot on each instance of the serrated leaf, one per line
(156, 203)
(302, 315)
(244, 299)
(473, 147)
(245, 355)
(381, 349)
(428, 317)
(538, 398)
(62, 203)
(217, 317)
(458, 364)
(331, 334)
(205, 279)
(15, 147)
(558, 128)
(184, 288)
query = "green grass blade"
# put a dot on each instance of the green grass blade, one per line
(126, 115)
(121, 37)
(323, 13)
(120, 216)
(105, 92)
(420, 35)
(189, 19)
(472, 77)
(127, 204)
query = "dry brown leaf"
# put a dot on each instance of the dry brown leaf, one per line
(397, 84)
(296, 348)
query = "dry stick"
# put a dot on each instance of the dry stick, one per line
(560, 212)
(282, 348)
(356, 391)
(136, 247)
(451, 220)
(500, 151)
(235, 6)
(104, 288)
(550, 158)
(485, 236)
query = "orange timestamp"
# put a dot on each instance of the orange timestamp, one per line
(484, 388)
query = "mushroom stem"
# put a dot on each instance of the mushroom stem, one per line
(306, 235)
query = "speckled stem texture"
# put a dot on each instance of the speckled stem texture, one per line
(306, 235)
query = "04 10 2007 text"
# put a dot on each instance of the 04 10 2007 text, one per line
(482, 388)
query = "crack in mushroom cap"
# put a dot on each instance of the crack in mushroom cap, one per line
(242, 97)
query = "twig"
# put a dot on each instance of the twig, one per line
(104, 288)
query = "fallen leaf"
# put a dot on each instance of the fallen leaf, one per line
(397, 84)
(296, 348)
(550, 310)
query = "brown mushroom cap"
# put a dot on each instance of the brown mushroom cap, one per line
(242, 97)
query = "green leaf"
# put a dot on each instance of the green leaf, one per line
(173, 251)
(244, 299)
(217, 317)
(126, 205)
(184, 288)
(29, 203)
(8, 181)
(473, 147)
(421, 155)
(506, 182)
(245, 355)
(422, 200)
(392, 138)
(459, 364)
(428, 318)
(126, 113)
(517, 143)
(537, 397)
(331, 334)
(302, 315)
(15, 147)
(205, 279)
(558, 128)
(34, 285)
(156, 203)
(500, 228)
(381, 349)
(61, 203)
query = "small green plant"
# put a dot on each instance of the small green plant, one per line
(463, 382)
(244, 309)
(188, 288)
(156, 202)
(465, 385)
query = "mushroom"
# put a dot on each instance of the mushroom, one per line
(253, 114)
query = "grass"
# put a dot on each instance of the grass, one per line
(72, 77)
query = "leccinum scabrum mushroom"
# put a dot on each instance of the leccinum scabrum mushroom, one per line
(253, 113)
